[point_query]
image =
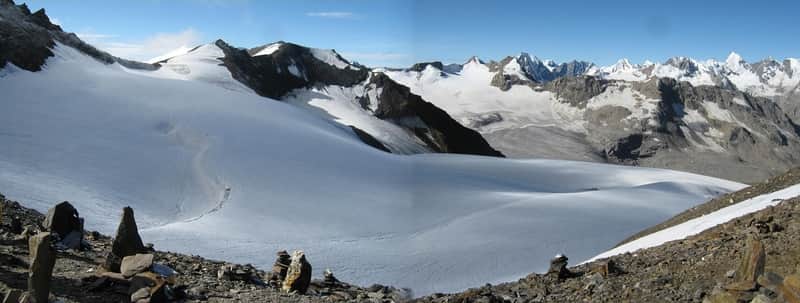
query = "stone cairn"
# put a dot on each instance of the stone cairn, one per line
(751, 281)
(126, 243)
(279, 269)
(42, 261)
(558, 267)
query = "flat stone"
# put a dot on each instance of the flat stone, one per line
(742, 286)
(132, 265)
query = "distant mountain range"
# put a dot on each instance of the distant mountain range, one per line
(727, 119)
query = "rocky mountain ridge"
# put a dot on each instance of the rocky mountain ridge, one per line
(621, 114)
(272, 71)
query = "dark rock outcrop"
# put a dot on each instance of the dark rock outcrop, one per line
(369, 139)
(429, 123)
(418, 67)
(289, 67)
(28, 39)
(577, 90)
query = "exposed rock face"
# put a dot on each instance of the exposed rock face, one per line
(29, 37)
(64, 221)
(290, 67)
(418, 67)
(42, 260)
(126, 243)
(369, 139)
(430, 124)
(577, 90)
(298, 276)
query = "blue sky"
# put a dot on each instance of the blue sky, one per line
(399, 33)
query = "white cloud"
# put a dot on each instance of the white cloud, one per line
(145, 49)
(55, 21)
(332, 15)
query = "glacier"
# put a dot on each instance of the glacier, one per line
(219, 171)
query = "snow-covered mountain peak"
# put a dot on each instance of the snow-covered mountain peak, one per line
(622, 65)
(734, 59)
(267, 49)
(474, 60)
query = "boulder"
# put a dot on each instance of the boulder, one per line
(752, 265)
(298, 277)
(132, 265)
(126, 243)
(558, 267)
(42, 260)
(63, 220)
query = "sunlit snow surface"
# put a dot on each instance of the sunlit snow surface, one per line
(103, 137)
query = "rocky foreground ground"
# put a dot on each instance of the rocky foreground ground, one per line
(754, 258)
(79, 275)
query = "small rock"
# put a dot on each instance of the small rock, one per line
(729, 274)
(298, 276)
(142, 293)
(132, 265)
(42, 259)
(760, 298)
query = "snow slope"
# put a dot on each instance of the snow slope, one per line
(102, 137)
(467, 97)
(698, 225)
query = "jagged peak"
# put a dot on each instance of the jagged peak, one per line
(474, 59)
(734, 59)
